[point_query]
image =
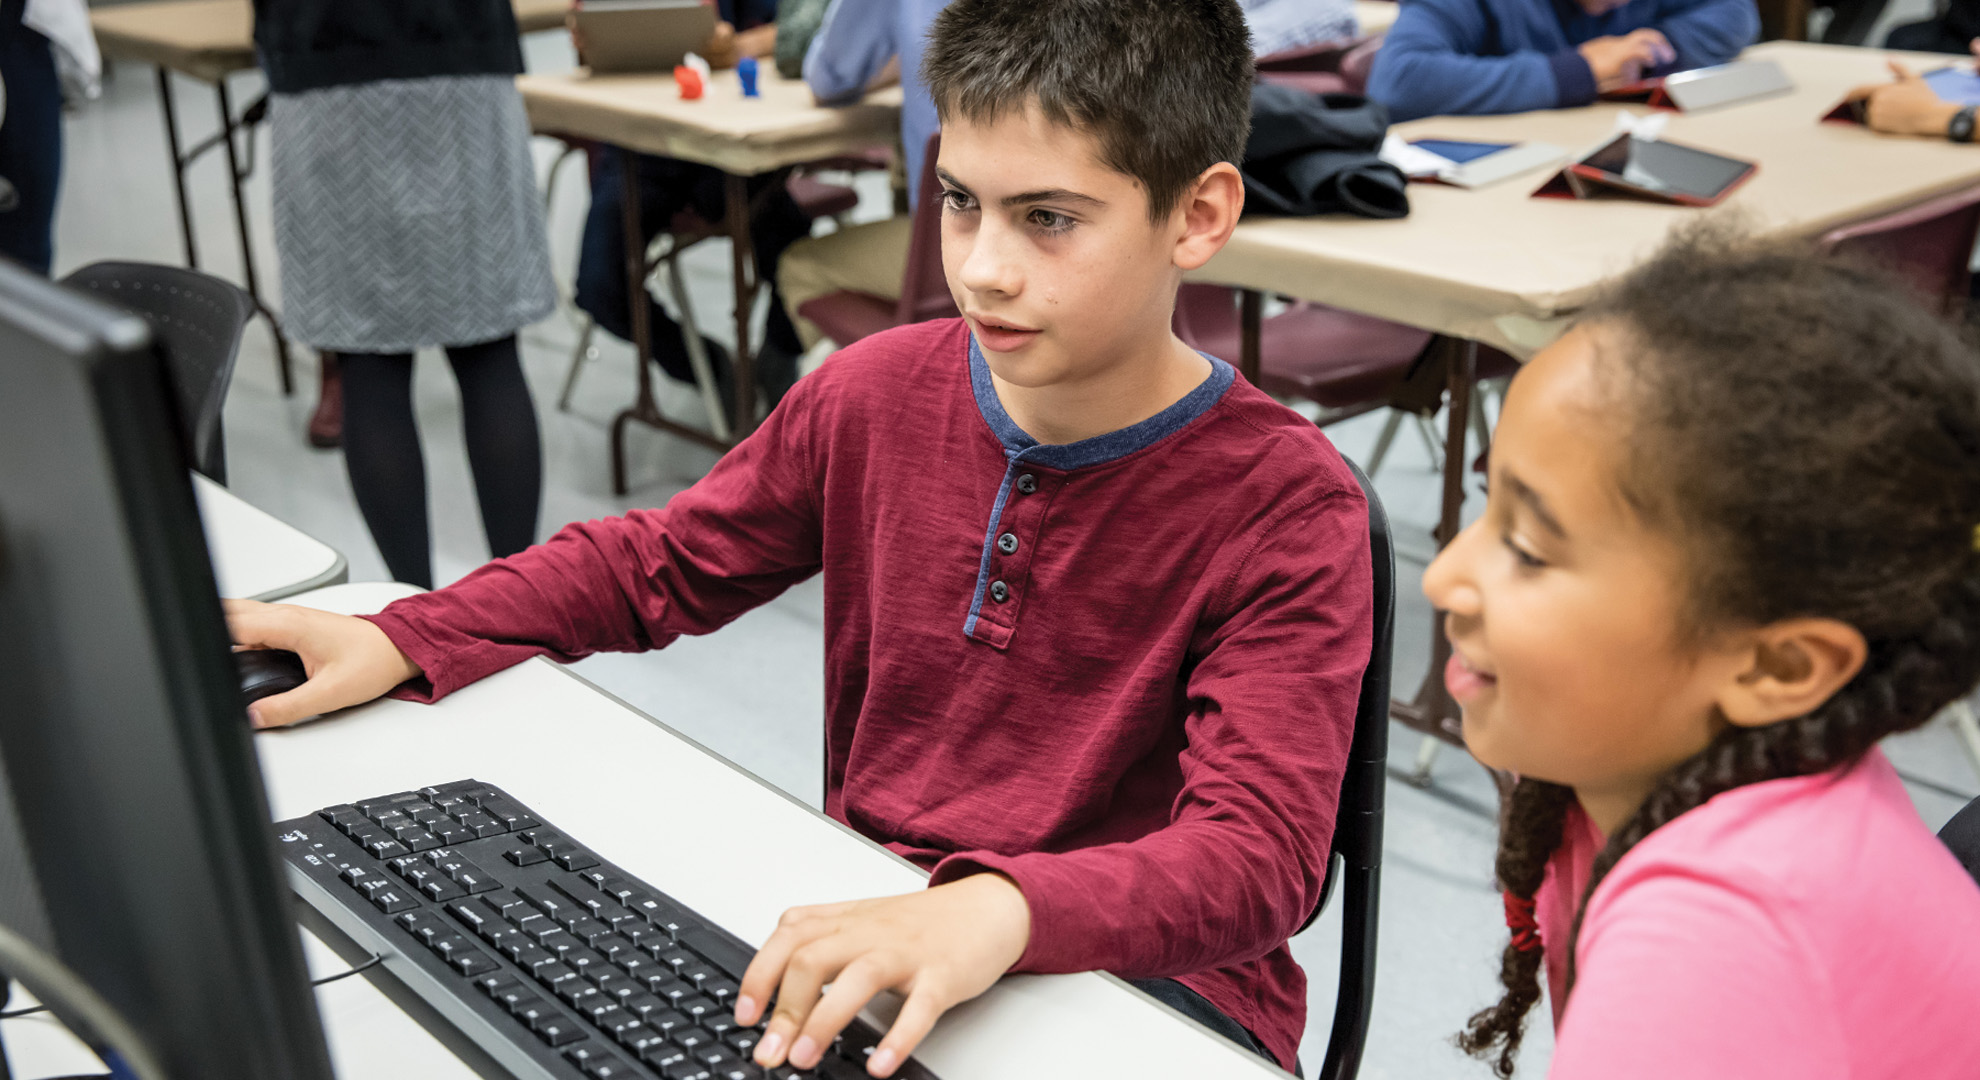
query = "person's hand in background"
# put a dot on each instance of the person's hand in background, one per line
(1908, 106)
(726, 45)
(1619, 61)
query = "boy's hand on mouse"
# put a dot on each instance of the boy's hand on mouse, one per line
(1908, 106)
(1619, 61)
(938, 948)
(349, 660)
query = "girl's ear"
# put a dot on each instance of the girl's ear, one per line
(1791, 667)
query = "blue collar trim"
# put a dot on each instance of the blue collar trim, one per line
(1099, 449)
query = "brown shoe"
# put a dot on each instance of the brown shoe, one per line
(326, 428)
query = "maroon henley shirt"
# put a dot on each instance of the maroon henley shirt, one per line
(1121, 671)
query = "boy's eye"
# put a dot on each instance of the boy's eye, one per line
(1050, 220)
(956, 201)
(1526, 559)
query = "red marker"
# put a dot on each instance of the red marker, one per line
(689, 80)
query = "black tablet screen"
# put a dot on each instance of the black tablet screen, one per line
(1667, 168)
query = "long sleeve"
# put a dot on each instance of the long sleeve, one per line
(1271, 712)
(1429, 65)
(747, 531)
(1709, 32)
(853, 45)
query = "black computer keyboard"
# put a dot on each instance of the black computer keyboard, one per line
(553, 961)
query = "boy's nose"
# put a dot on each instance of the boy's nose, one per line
(992, 266)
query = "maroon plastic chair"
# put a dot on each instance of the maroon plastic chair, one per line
(1327, 67)
(1929, 245)
(1344, 362)
(846, 316)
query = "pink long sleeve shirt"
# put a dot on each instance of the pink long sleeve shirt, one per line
(1121, 671)
(1804, 929)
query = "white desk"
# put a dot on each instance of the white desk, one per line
(579, 756)
(256, 556)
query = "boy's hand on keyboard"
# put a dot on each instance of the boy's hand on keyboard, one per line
(938, 948)
(349, 661)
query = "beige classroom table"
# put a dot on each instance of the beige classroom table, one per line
(576, 754)
(257, 556)
(210, 40)
(1500, 268)
(742, 137)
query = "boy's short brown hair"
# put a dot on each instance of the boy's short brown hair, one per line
(1163, 85)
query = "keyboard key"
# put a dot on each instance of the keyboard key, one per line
(426, 812)
(719, 1023)
(440, 890)
(494, 982)
(514, 996)
(541, 836)
(475, 880)
(644, 1004)
(722, 990)
(391, 901)
(551, 936)
(741, 1070)
(424, 925)
(508, 813)
(614, 985)
(575, 992)
(787, 1072)
(355, 875)
(530, 1008)
(343, 816)
(743, 1040)
(669, 989)
(679, 959)
(552, 974)
(609, 1069)
(420, 840)
(699, 974)
(559, 1030)
(481, 824)
(697, 1006)
(451, 832)
(384, 847)
(836, 1068)
(527, 954)
(667, 1021)
(601, 1010)
(525, 856)
(447, 942)
(638, 1038)
(475, 915)
(597, 878)
(612, 947)
(685, 1070)
(547, 900)
(690, 1038)
(714, 1056)
(588, 929)
(575, 860)
(663, 1055)
(634, 963)
(585, 961)
(472, 962)
(391, 821)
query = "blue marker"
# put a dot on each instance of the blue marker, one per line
(746, 70)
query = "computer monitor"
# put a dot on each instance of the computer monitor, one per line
(126, 747)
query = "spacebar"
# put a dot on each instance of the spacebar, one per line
(732, 959)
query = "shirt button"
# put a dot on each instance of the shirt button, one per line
(999, 591)
(1027, 484)
(1007, 543)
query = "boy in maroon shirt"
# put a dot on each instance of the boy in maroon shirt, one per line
(1096, 610)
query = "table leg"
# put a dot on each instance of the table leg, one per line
(234, 177)
(1251, 321)
(743, 265)
(178, 165)
(1432, 711)
(644, 409)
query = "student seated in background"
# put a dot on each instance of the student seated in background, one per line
(1449, 57)
(1732, 542)
(667, 186)
(862, 43)
(1096, 610)
(1909, 106)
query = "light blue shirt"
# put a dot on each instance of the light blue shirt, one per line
(858, 37)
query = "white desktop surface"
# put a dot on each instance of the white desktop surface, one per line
(692, 825)
(257, 556)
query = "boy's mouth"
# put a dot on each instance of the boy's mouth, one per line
(1000, 335)
(1464, 681)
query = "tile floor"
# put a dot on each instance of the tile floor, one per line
(754, 692)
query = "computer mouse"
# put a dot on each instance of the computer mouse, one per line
(268, 671)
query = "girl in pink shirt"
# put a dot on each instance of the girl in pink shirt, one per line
(1731, 543)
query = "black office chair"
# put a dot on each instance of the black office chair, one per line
(197, 320)
(1355, 864)
(1962, 835)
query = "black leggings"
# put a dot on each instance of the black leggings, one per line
(1198, 1008)
(388, 473)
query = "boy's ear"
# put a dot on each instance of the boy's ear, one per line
(1207, 213)
(1790, 668)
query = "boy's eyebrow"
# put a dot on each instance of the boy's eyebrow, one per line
(1058, 195)
(1534, 502)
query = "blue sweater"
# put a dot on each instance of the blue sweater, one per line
(1502, 56)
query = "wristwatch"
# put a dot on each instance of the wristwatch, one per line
(1961, 127)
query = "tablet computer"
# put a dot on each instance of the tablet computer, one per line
(1662, 170)
(624, 36)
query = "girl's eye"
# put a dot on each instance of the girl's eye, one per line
(956, 202)
(1051, 221)
(1526, 559)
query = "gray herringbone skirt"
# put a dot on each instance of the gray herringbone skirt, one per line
(406, 214)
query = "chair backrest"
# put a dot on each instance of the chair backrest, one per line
(197, 320)
(1355, 864)
(1962, 835)
(1359, 61)
(1929, 245)
(924, 287)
